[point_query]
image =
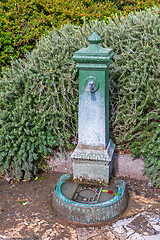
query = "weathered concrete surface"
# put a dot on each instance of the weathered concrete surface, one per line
(124, 165)
(128, 166)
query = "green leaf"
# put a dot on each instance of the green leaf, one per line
(117, 194)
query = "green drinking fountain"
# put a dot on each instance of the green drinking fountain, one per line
(88, 196)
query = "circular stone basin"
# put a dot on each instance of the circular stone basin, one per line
(69, 187)
(89, 204)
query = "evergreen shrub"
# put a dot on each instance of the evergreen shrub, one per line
(39, 95)
(133, 5)
(24, 21)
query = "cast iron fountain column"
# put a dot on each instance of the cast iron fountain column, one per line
(92, 159)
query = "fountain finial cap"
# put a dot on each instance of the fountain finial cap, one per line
(94, 38)
(93, 54)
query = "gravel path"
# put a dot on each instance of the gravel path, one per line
(26, 211)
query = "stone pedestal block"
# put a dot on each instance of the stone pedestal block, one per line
(93, 164)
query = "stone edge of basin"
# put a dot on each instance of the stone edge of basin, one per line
(89, 213)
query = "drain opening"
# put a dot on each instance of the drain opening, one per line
(87, 194)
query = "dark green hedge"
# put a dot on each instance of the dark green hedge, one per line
(22, 22)
(39, 95)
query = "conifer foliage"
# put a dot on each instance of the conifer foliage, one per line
(39, 95)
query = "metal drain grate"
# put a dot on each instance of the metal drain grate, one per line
(87, 194)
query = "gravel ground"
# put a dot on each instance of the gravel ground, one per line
(26, 211)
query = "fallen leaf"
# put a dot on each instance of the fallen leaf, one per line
(23, 202)
(42, 178)
(117, 194)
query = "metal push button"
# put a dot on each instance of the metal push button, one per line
(91, 84)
